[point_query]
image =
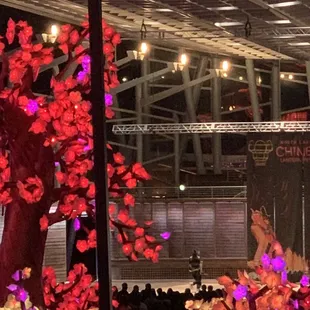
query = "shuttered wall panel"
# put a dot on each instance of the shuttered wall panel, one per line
(175, 225)
(55, 250)
(230, 229)
(199, 229)
(159, 216)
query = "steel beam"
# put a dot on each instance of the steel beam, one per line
(308, 78)
(216, 115)
(177, 159)
(276, 92)
(192, 118)
(253, 89)
(174, 90)
(156, 159)
(125, 60)
(139, 137)
(203, 65)
(236, 127)
(141, 80)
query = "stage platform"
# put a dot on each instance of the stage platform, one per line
(176, 285)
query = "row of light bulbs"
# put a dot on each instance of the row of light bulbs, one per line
(144, 50)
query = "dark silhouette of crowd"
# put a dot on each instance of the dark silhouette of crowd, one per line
(150, 299)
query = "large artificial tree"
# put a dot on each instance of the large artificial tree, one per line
(39, 133)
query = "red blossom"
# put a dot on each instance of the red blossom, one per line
(43, 223)
(82, 245)
(129, 200)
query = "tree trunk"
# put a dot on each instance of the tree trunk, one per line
(23, 243)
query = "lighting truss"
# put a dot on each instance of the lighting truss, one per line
(242, 127)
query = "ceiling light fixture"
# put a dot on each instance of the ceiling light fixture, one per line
(223, 8)
(282, 76)
(299, 44)
(227, 24)
(163, 10)
(291, 77)
(279, 22)
(284, 4)
(285, 36)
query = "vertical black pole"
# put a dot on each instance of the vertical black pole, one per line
(100, 152)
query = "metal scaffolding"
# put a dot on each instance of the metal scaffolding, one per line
(237, 127)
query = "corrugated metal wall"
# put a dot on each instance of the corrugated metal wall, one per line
(216, 229)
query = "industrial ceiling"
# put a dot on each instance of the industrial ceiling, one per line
(255, 29)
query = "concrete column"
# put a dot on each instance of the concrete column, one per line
(216, 115)
(192, 118)
(308, 78)
(253, 89)
(176, 147)
(139, 137)
(145, 70)
(276, 93)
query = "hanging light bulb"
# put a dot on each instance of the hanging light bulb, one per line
(54, 30)
(282, 76)
(240, 78)
(259, 80)
(225, 65)
(183, 59)
(182, 62)
(143, 50)
(291, 77)
(52, 36)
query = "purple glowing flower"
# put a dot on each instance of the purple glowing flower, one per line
(86, 63)
(240, 292)
(304, 281)
(284, 277)
(16, 275)
(265, 259)
(166, 235)
(77, 224)
(32, 106)
(278, 264)
(87, 148)
(108, 100)
(81, 75)
(20, 294)
(12, 287)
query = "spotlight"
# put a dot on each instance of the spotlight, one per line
(124, 79)
(282, 76)
(182, 187)
(231, 108)
(291, 77)
(162, 76)
(240, 78)
(225, 65)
